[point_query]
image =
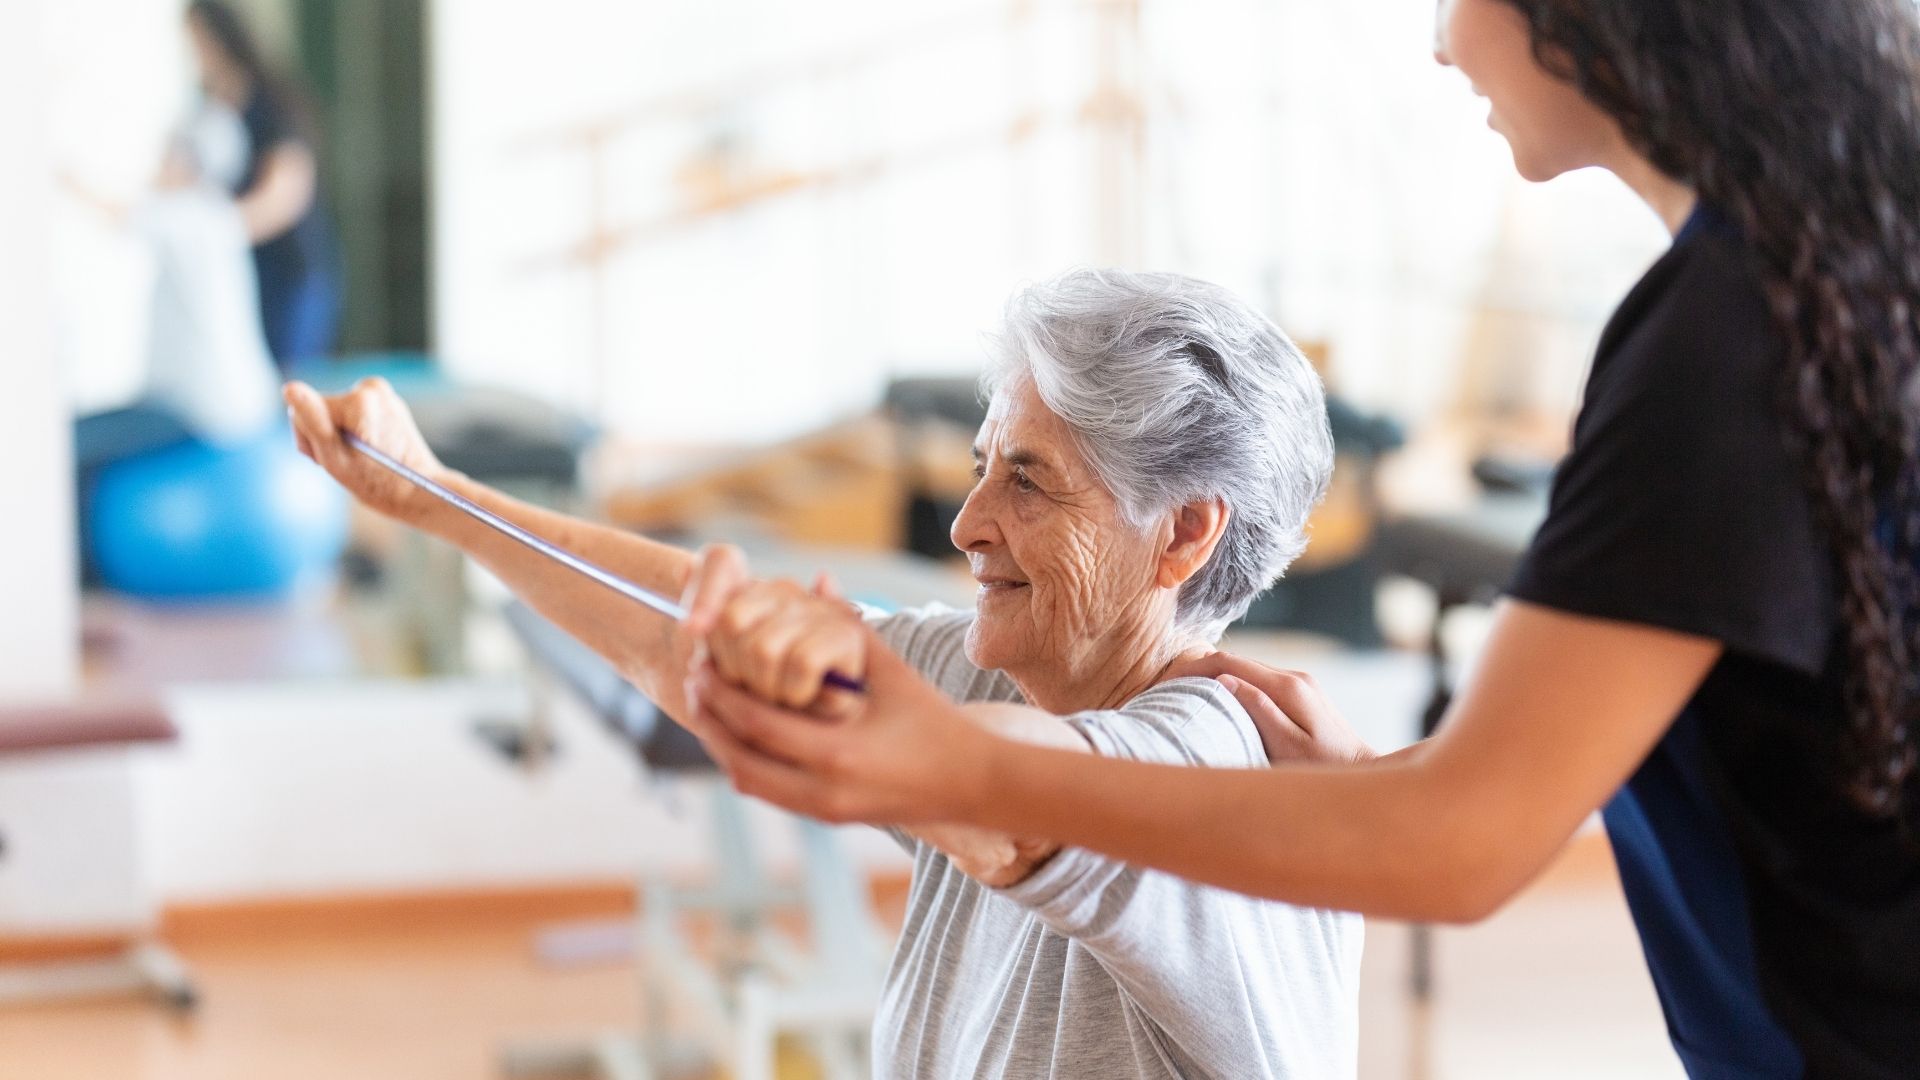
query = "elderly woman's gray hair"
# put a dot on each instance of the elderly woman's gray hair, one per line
(1177, 391)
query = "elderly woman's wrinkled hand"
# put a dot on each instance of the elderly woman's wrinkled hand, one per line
(375, 413)
(1296, 721)
(774, 639)
(900, 754)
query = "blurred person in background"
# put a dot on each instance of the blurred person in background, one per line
(245, 272)
(1714, 637)
(209, 376)
(277, 190)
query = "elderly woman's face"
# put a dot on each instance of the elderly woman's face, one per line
(1063, 576)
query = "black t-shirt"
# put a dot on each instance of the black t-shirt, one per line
(306, 249)
(1782, 929)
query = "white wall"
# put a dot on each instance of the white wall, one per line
(1310, 155)
(70, 859)
(337, 788)
(72, 863)
(775, 319)
(1314, 156)
(38, 629)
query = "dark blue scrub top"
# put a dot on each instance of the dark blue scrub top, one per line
(299, 270)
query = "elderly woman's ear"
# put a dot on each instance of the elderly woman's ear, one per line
(1197, 530)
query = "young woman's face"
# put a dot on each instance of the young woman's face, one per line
(1551, 127)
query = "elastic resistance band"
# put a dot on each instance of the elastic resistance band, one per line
(558, 554)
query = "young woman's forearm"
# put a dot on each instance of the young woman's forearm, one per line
(1558, 713)
(1384, 838)
(997, 858)
(642, 644)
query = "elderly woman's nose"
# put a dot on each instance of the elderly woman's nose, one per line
(973, 526)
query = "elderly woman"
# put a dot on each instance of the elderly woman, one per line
(1148, 462)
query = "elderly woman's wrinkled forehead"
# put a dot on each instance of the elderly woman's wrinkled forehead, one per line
(1021, 431)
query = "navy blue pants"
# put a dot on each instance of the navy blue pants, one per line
(299, 314)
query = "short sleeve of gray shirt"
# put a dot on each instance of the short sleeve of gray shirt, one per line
(1091, 967)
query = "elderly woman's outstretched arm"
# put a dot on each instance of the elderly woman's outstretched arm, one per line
(648, 649)
(1557, 714)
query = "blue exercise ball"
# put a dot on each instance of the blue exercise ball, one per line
(253, 520)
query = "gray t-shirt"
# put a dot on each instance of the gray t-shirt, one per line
(1094, 969)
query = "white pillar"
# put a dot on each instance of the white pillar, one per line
(70, 862)
(39, 604)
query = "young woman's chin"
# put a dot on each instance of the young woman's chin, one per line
(1532, 160)
(1535, 167)
(1531, 172)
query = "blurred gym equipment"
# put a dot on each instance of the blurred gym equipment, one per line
(760, 984)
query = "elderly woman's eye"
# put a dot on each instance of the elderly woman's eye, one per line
(1021, 480)
(979, 471)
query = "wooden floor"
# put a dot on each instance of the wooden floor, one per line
(1552, 987)
(357, 1003)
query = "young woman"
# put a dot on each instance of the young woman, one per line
(1716, 633)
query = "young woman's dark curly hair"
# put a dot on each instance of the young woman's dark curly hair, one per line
(1800, 120)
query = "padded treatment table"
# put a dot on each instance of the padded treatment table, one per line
(45, 727)
(145, 966)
